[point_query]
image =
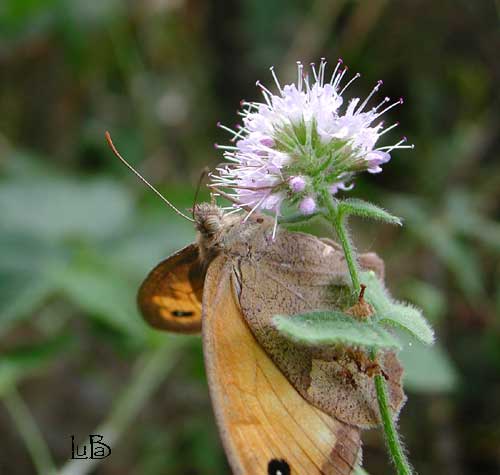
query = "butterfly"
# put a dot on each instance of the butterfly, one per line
(281, 408)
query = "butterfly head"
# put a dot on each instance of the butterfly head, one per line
(210, 224)
(208, 219)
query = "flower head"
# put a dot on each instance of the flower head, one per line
(301, 140)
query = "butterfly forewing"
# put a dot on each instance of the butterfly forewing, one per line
(266, 426)
(170, 297)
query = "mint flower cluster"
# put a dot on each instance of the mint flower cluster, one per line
(302, 140)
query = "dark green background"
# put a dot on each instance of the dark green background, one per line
(78, 232)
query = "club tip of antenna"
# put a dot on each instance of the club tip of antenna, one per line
(107, 135)
(115, 150)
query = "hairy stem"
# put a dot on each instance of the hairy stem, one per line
(30, 433)
(391, 434)
(337, 219)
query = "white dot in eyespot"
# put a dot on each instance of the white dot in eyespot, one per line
(278, 467)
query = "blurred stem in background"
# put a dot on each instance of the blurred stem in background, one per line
(149, 372)
(29, 432)
(134, 73)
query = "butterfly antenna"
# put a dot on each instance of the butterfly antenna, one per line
(130, 167)
(204, 173)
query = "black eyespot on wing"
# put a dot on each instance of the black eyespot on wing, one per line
(278, 467)
(180, 314)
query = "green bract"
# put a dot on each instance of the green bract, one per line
(357, 207)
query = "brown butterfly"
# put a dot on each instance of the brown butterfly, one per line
(281, 408)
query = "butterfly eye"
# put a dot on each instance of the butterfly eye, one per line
(180, 313)
(278, 467)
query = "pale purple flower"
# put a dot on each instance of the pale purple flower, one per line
(307, 206)
(336, 187)
(375, 159)
(299, 133)
(297, 184)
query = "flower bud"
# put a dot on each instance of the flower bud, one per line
(297, 184)
(307, 206)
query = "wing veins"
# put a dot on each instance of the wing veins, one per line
(305, 433)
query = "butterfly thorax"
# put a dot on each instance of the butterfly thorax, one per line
(219, 232)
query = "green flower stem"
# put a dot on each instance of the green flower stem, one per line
(337, 219)
(30, 433)
(393, 442)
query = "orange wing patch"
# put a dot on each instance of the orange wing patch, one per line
(170, 297)
(266, 426)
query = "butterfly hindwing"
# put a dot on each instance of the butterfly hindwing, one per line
(302, 274)
(170, 296)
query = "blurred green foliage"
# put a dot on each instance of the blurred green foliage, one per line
(78, 234)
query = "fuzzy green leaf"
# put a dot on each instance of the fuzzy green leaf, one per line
(329, 328)
(357, 207)
(390, 312)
